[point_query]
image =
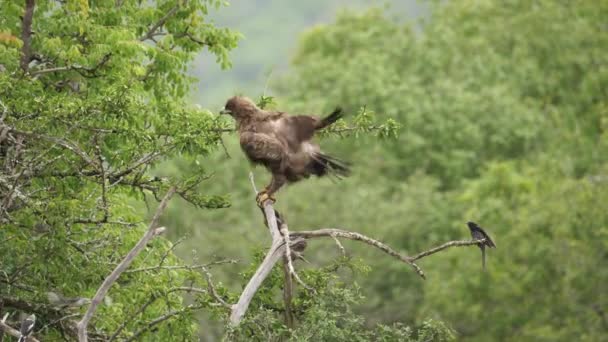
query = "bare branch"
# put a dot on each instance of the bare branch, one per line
(182, 267)
(287, 295)
(339, 245)
(277, 249)
(159, 23)
(105, 286)
(104, 198)
(82, 70)
(285, 232)
(58, 141)
(281, 246)
(434, 250)
(333, 232)
(212, 290)
(143, 160)
(26, 35)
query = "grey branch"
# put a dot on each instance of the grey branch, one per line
(107, 283)
(434, 250)
(58, 141)
(212, 290)
(159, 23)
(283, 238)
(276, 251)
(82, 70)
(182, 267)
(335, 233)
(288, 295)
(292, 271)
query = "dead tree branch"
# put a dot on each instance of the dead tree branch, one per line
(283, 241)
(288, 295)
(335, 233)
(211, 289)
(434, 250)
(105, 286)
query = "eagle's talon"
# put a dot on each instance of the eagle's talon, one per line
(262, 197)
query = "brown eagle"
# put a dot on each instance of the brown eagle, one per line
(283, 144)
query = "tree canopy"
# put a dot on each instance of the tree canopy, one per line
(494, 112)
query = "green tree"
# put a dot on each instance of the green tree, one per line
(503, 107)
(91, 97)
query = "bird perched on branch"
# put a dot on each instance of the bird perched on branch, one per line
(477, 233)
(283, 144)
(61, 302)
(27, 327)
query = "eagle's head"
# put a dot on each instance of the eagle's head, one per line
(240, 107)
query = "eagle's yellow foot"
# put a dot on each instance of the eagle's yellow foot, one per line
(262, 197)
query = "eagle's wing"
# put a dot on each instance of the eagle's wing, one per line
(263, 149)
(295, 130)
(300, 128)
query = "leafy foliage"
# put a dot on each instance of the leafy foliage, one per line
(90, 102)
(502, 108)
(325, 315)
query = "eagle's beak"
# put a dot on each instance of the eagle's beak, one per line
(225, 111)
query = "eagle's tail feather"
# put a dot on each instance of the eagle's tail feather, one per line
(330, 119)
(323, 164)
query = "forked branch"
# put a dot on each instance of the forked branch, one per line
(123, 265)
(282, 239)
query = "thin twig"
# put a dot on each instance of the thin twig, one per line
(105, 286)
(159, 23)
(58, 141)
(212, 290)
(285, 233)
(182, 267)
(104, 180)
(339, 245)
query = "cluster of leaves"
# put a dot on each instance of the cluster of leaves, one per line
(325, 314)
(91, 98)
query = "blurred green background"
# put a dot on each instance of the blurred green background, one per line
(504, 114)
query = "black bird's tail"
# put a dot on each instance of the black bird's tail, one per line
(330, 119)
(322, 165)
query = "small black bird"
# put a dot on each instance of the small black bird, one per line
(477, 233)
(27, 327)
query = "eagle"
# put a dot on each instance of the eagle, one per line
(477, 233)
(283, 144)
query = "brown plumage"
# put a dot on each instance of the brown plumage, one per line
(282, 143)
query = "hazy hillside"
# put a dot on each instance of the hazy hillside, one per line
(271, 31)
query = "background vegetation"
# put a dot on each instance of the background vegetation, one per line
(503, 110)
